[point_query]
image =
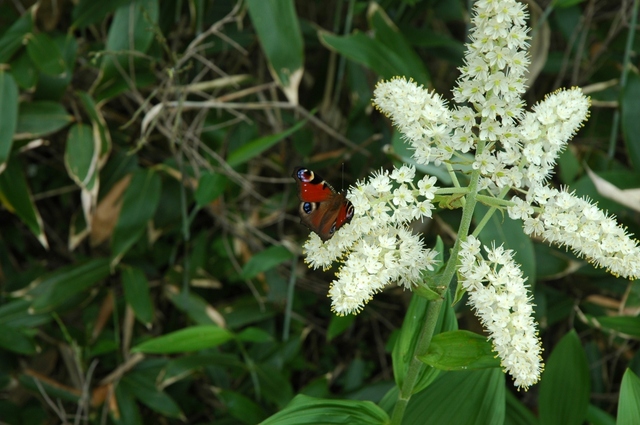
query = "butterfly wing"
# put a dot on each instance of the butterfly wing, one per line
(322, 209)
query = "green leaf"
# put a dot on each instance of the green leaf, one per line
(502, 230)
(256, 147)
(624, 324)
(386, 32)
(629, 403)
(629, 107)
(139, 204)
(252, 334)
(15, 195)
(13, 38)
(242, 408)
(185, 340)
(8, 115)
(403, 350)
(128, 410)
(473, 397)
(40, 118)
(265, 260)
(136, 293)
(367, 51)
(565, 384)
(17, 340)
(130, 33)
(45, 54)
(566, 3)
(24, 72)
(279, 33)
(98, 122)
(460, 350)
(143, 388)
(210, 186)
(53, 289)
(597, 416)
(305, 410)
(81, 156)
(192, 304)
(87, 12)
(517, 413)
(53, 87)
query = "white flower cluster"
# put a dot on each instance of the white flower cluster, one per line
(498, 294)
(378, 246)
(517, 149)
(567, 220)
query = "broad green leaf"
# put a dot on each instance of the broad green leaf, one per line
(472, 397)
(139, 204)
(629, 107)
(185, 340)
(17, 340)
(265, 260)
(45, 54)
(367, 51)
(24, 71)
(565, 384)
(15, 195)
(87, 12)
(136, 293)
(279, 33)
(241, 407)
(460, 350)
(274, 385)
(252, 334)
(13, 38)
(8, 115)
(130, 33)
(40, 118)
(54, 87)
(210, 186)
(597, 416)
(517, 413)
(502, 230)
(81, 156)
(16, 314)
(403, 350)
(625, 324)
(145, 390)
(304, 410)
(629, 403)
(127, 411)
(256, 147)
(53, 289)
(386, 32)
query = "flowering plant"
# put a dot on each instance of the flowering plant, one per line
(497, 153)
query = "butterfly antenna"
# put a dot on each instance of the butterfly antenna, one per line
(342, 189)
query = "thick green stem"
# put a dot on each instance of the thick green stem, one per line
(433, 310)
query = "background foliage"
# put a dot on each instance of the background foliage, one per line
(149, 246)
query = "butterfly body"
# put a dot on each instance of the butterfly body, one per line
(322, 209)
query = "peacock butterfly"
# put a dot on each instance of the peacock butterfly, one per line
(322, 209)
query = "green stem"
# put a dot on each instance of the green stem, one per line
(433, 309)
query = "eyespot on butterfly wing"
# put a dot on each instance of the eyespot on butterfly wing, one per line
(322, 209)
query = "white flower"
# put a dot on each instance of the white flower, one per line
(376, 247)
(498, 294)
(566, 220)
